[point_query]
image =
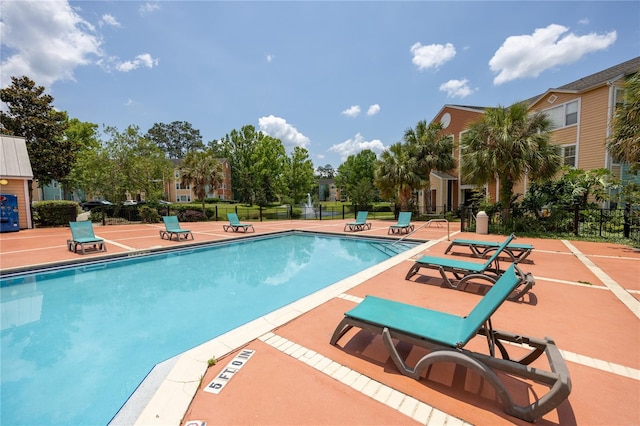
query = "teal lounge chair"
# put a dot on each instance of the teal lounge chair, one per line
(172, 227)
(360, 223)
(403, 225)
(466, 272)
(235, 225)
(517, 252)
(82, 235)
(446, 335)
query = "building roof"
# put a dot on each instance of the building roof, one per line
(613, 73)
(594, 80)
(14, 158)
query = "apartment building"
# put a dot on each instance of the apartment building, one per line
(177, 192)
(581, 112)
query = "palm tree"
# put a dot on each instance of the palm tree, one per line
(396, 174)
(507, 144)
(624, 143)
(203, 172)
(432, 149)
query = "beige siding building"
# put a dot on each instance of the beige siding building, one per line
(581, 112)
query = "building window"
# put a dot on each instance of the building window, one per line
(563, 115)
(184, 198)
(569, 154)
(179, 185)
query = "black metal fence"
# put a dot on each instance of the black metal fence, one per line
(597, 223)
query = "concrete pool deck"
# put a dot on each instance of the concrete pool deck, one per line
(586, 297)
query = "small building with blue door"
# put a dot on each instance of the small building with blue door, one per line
(15, 174)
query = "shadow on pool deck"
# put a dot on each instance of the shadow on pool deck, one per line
(586, 298)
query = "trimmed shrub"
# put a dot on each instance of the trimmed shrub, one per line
(149, 215)
(191, 216)
(55, 212)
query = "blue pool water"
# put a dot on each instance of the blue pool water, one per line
(76, 342)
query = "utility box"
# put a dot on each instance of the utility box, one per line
(482, 223)
(9, 213)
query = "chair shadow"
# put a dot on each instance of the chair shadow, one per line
(452, 380)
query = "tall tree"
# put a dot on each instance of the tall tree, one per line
(397, 175)
(268, 169)
(85, 136)
(325, 172)
(507, 143)
(355, 169)
(624, 142)
(203, 172)
(176, 139)
(30, 114)
(300, 174)
(126, 162)
(238, 147)
(432, 149)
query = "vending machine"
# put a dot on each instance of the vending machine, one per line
(9, 213)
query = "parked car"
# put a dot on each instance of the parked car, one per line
(88, 205)
(130, 203)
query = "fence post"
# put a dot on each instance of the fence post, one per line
(320, 211)
(260, 212)
(600, 225)
(216, 213)
(463, 217)
(627, 220)
(576, 219)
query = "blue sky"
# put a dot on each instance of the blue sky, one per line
(333, 77)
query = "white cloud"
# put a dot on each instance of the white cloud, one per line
(270, 58)
(432, 56)
(148, 8)
(144, 60)
(109, 20)
(584, 21)
(373, 109)
(45, 40)
(278, 127)
(353, 111)
(529, 55)
(457, 88)
(355, 145)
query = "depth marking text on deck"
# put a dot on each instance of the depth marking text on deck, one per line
(229, 371)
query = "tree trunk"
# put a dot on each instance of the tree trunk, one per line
(506, 191)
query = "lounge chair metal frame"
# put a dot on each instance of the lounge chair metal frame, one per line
(466, 272)
(404, 224)
(172, 227)
(517, 252)
(447, 348)
(360, 224)
(235, 225)
(81, 235)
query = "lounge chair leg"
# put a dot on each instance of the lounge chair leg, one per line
(340, 331)
(447, 355)
(414, 270)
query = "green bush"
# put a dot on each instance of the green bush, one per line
(55, 213)
(149, 214)
(191, 216)
(182, 209)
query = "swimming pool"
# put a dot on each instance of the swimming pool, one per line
(76, 342)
